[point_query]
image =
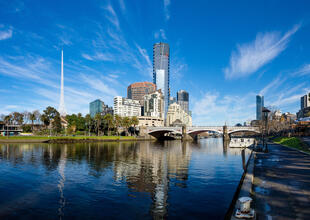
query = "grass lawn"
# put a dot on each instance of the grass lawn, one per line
(292, 142)
(68, 137)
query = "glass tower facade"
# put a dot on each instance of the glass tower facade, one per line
(161, 56)
(259, 106)
(183, 99)
(98, 106)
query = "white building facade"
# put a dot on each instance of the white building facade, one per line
(176, 115)
(154, 105)
(126, 107)
(145, 121)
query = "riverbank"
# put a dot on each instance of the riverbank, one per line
(67, 139)
(292, 142)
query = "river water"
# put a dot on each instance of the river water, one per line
(132, 180)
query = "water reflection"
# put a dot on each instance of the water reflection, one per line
(144, 167)
(62, 179)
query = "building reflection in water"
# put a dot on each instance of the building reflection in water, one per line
(144, 166)
(150, 169)
(147, 167)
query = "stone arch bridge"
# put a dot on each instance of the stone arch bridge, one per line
(226, 131)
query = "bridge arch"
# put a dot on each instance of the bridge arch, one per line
(243, 130)
(194, 131)
(160, 132)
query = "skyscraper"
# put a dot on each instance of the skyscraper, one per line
(62, 109)
(183, 99)
(161, 70)
(138, 90)
(259, 106)
(98, 106)
(305, 101)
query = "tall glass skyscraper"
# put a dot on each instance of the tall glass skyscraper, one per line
(183, 99)
(161, 55)
(259, 106)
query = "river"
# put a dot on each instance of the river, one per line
(126, 180)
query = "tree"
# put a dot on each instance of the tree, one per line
(17, 118)
(126, 122)
(49, 115)
(32, 118)
(117, 122)
(80, 122)
(109, 120)
(134, 122)
(8, 119)
(56, 123)
(26, 117)
(89, 122)
(37, 115)
(98, 120)
(44, 118)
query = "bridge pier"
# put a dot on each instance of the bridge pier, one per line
(185, 136)
(226, 136)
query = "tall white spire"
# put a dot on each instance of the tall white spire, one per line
(62, 109)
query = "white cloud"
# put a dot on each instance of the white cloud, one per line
(87, 57)
(166, 9)
(273, 85)
(99, 85)
(287, 100)
(26, 68)
(303, 71)
(251, 56)
(6, 34)
(160, 34)
(99, 56)
(144, 54)
(215, 109)
(114, 76)
(64, 41)
(112, 16)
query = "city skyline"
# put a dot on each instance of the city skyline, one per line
(222, 63)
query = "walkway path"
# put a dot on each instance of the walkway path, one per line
(306, 140)
(282, 184)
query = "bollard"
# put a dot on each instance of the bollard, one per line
(244, 210)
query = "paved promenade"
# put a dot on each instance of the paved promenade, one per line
(306, 140)
(282, 184)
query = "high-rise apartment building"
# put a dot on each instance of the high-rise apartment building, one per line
(98, 106)
(138, 90)
(259, 106)
(161, 56)
(126, 107)
(305, 101)
(154, 105)
(183, 99)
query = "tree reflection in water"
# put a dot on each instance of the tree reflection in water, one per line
(144, 167)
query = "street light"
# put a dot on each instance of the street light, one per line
(265, 112)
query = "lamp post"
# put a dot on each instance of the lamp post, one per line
(265, 112)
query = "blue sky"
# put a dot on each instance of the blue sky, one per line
(222, 52)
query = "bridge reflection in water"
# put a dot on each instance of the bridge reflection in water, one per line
(117, 174)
